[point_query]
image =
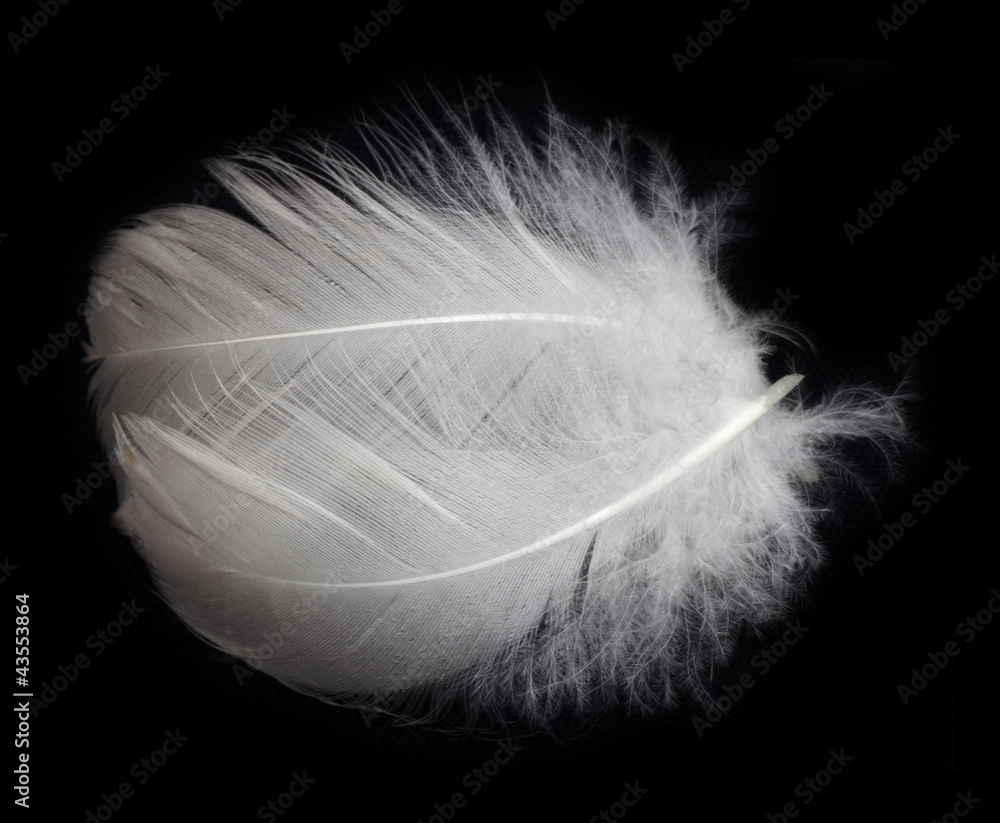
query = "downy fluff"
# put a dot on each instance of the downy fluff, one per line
(406, 435)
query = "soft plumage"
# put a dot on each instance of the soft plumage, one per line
(385, 440)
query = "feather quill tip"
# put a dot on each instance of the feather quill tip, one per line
(480, 426)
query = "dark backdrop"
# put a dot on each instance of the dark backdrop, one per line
(222, 72)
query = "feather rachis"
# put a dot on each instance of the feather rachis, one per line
(442, 401)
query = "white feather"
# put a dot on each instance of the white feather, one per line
(432, 431)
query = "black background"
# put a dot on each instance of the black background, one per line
(834, 689)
